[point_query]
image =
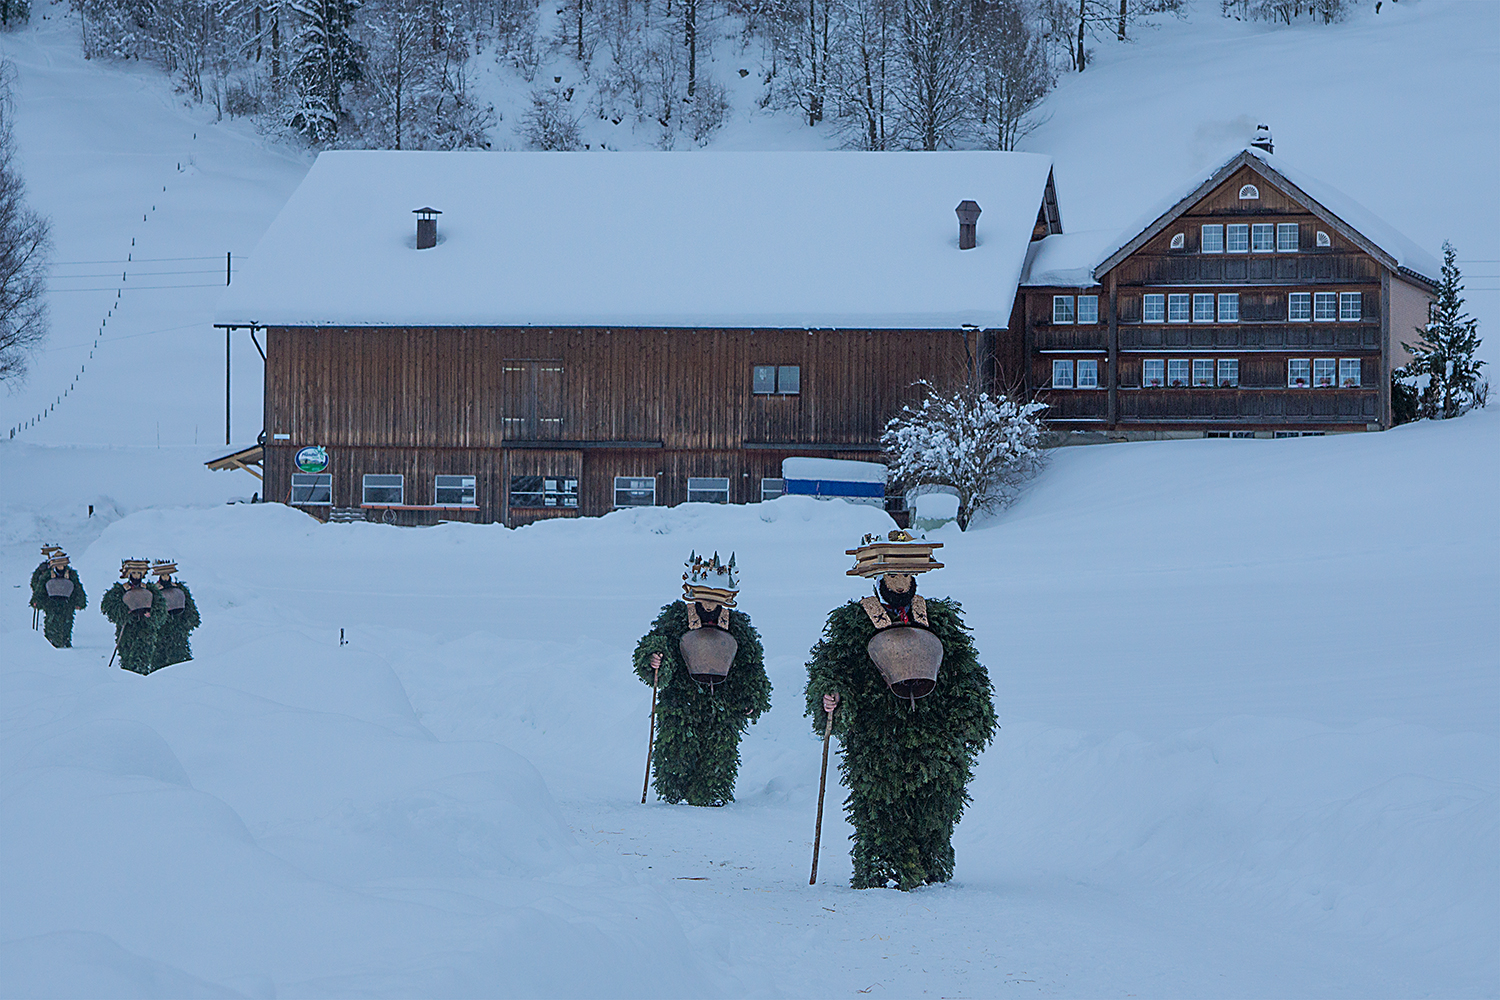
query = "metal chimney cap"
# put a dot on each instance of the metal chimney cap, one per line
(426, 212)
(968, 212)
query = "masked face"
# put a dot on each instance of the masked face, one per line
(896, 589)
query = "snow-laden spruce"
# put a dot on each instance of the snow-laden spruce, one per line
(981, 446)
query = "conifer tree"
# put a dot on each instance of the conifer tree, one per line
(1444, 350)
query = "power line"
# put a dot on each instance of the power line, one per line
(139, 288)
(139, 260)
(146, 274)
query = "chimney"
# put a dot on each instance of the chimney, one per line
(426, 227)
(968, 215)
(1262, 139)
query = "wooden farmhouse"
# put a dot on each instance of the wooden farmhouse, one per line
(1261, 303)
(565, 334)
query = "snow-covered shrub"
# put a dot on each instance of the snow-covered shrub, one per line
(983, 446)
(550, 124)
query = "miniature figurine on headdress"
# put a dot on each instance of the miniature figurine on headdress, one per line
(57, 593)
(705, 662)
(137, 609)
(912, 707)
(181, 618)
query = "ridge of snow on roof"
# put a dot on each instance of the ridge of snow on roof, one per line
(1067, 260)
(788, 240)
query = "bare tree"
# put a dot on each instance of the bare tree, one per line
(934, 88)
(25, 244)
(398, 66)
(1014, 73)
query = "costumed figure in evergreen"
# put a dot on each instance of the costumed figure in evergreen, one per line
(180, 619)
(137, 608)
(707, 668)
(912, 708)
(57, 593)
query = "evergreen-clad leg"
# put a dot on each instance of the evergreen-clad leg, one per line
(58, 627)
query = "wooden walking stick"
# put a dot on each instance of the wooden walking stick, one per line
(822, 783)
(118, 630)
(651, 743)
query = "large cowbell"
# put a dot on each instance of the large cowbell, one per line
(709, 652)
(59, 586)
(908, 658)
(138, 599)
(176, 599)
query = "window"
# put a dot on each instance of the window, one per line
(1153, 308)
(1249, 192)
(1323, 373)
(1179, 240)
(1299, 305)
(635, 491)
(1088, 308)
(1229, 372)
(1203, 308)
(1288, 238)
(1325, 306)
(1349, 373)
(770, 489)
(1237, 236)
(1298, 373)
(1203, 371)
(543, 491)
(1151, 372)
(1177, 308)
(531, 399)
(1088, 374)
(1229, 307)
(1323, 240)
(1262, 237)
(1177, 372)
(1349, 306)
(707, 490)
(1213, 239)
(779, 380)
(1062, 374)
(383, 489)
(314, 490)
(1062, 308)
(454, 491)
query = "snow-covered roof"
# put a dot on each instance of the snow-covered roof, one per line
(800, 240)
(1079, 259)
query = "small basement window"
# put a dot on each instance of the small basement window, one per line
(1062, 308)
(544, 491)
(1237, 235)
(1229, 372)
(1153, 308)
(1062, 374)
(1179, 241)
(1177, 372)
(1088, 308)
(454, 491)
(707, 490)
(312, 489)
(1323, 240)
(635, 491)
(1203, 371)
(777, 380)
(1088, 374)
(770, 489)
(1153, 373)
(1349, 373)
(1249, 192)
(1213, 239)
(384, 489)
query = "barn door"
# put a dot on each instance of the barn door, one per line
(532, 400)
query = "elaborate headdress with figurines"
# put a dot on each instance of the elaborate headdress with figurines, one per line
(163, 567)
(708, 581)
(898, 552)
(56, 557)
(47, 550)
(128, 566)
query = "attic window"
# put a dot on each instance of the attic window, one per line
(1179, 241)
(1249, 192)
(1323, 240)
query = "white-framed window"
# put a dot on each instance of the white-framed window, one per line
(1349, 373)
(312, 489)
(1325, 373)
(1299, 305)
(1062, 308)
(1153, 308)
(1088, 373)
(1177, 372)
(1179, 240)
(1229, 307)
(1088, 308)
(1203, 371)
(1262, 237)
(544, 491)
(770, 489)
(455, 491)
(1349, 306)
(1153, 372)
(635, 491)
(1323, 240)
(707, 489)
(1288, 237)
(1298, 373)
(1177, 308)
(1213, 239)
(1062, 374)
(1237, 237)
(1203, 308)
(1249, 192)
(384, 490)
(1229, 372)
(1325, 307)
(776, 380)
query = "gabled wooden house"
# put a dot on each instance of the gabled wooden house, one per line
(1259, 303)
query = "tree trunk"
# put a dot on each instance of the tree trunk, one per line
(1082, 57)
(690, 20)
(1122, 19)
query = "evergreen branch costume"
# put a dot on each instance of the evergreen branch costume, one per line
(906, 761)
(58, 610)
(699, 724)
(135, 631)
(172, 633)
